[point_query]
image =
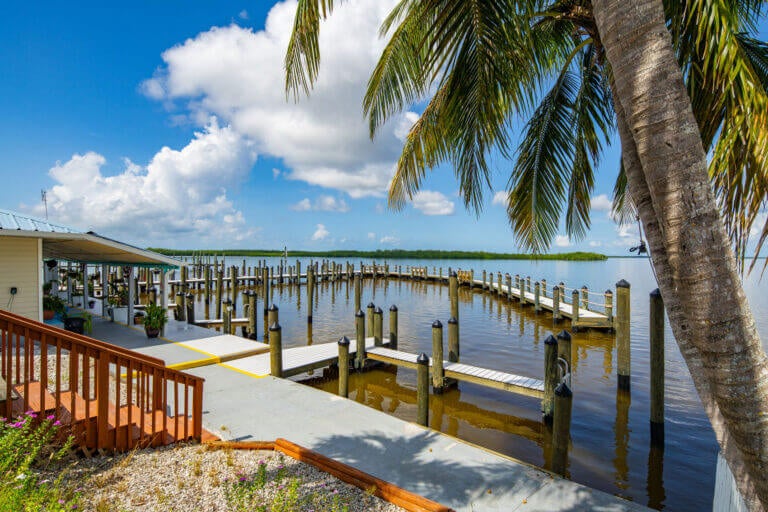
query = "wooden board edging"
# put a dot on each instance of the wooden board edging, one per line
(378, 487)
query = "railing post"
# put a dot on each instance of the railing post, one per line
(575, 308)
(508, 281)
(358, 289)
(519, 287)
(438, 375)
(310, 292)
(550, 377)
(252, 331)
(453, 340)
(369, 317)
(219, 286)
(556, 304)
(564, 349)
(393, 327)
(657, 367)
(360, 341)
(226, 319)
(609, 305)
(622, 334)
(102, 397)
(378, 327)
(197, 409)
(536, 297)
(584, 297)
(344, 367)
(422, 389)
(543, 287)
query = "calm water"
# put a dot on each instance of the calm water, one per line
(610, 431)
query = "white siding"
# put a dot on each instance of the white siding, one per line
(727, 496)
(20, 266)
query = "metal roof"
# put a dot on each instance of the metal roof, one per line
(61, 242)
(14, 220)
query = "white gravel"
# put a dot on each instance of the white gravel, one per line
(193, 477)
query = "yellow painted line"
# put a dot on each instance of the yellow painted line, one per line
(195, 363)
(244, 372)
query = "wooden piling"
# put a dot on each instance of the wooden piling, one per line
(393, 327)
(310, 293)
(422, 389)
(508, 282)
(265, 288)
(219, 286)
(564, 350)
(344, 367)
(378, 327)
(543, 287)
(561, 428)
(273, 314)
(360, 341)
(622, 334)
(485, 286)
(536, 297)
(207, 284)
(556, 304)
(438, 375)
(550, 377)
(226, 320)
(252, 331)
(657, 367)
(358, 289)
(180, 308)
(275, 350)
(453, 294)
(584, 297)
(369, 316)
(190, 303)
(574, 308)
(609, 305)
(453, 340)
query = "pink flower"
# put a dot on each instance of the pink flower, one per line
(50, 418)
(57, 423)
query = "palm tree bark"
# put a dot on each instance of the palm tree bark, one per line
(696, 268)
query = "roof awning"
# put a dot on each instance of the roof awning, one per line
(94, 249)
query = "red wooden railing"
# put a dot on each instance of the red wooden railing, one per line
(110, 397)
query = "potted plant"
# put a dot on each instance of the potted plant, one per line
(51, 306)
(155, 318)
(138, 317)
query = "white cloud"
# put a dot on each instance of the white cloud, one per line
(243, 15)
(321, 204)
(595, 243)
(562, 241)
(389, 240)
(626, 231)
(238, 74)
(178, 193)
(601, 203)
(430, 202)
(758, 224)
(275, 173)
(371, 236)
(320, 233)
(500, 198)
(302, 206)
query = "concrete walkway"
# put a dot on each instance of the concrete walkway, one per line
(462, 476)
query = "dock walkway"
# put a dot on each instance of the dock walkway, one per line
(465, 477)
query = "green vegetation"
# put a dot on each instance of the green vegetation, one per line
(392, 254)
(27, 448)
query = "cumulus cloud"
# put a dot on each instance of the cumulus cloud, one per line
(320, 233)
(601, 203)
(389, 240)
(595, 243)
(562, 241)
(275, 173)
(371, 236)
(322, 204)
(237, 74)
(243, 15)
(500, 198)
(430, 202)
(178, 193)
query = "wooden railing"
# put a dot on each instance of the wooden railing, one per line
(110, 397)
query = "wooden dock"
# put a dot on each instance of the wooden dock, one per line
(296, 360)
(464, 372)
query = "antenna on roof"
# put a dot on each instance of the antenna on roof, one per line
(44, 196)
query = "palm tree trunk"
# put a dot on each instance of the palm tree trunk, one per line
(698, 278)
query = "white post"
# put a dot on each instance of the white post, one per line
(85, 286)
(163, 294)
(104, 288)
(131, 294)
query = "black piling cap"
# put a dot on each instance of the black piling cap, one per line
(227, 301)
(454, 274)
(585, 287)
(453, 320)
(564, 335)
(371, 305)
(378, 311)
(656, 293)
(359, 313)
(393, 308)
(275, 327)
(609, 291)
(273, 307)
(622, 284)
(344, 341)
(562, 390)
(437, 325)
(179, 294)
(550, 340)
(190, 296)
(422, 359)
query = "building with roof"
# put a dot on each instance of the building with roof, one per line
(26, 242)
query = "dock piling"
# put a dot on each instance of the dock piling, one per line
(275, 350)
(453, 340)
(438, 374)
(344, 367)
(378, 327)
(360, 341)
(252, 332)
(393, 327)
(657, 367)
(623, 334)
(422, 389)
(555, 304)
(561, 427)
(550, 377)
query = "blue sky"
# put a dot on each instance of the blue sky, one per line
(165, 124)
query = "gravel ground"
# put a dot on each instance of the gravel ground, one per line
(193, 477)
